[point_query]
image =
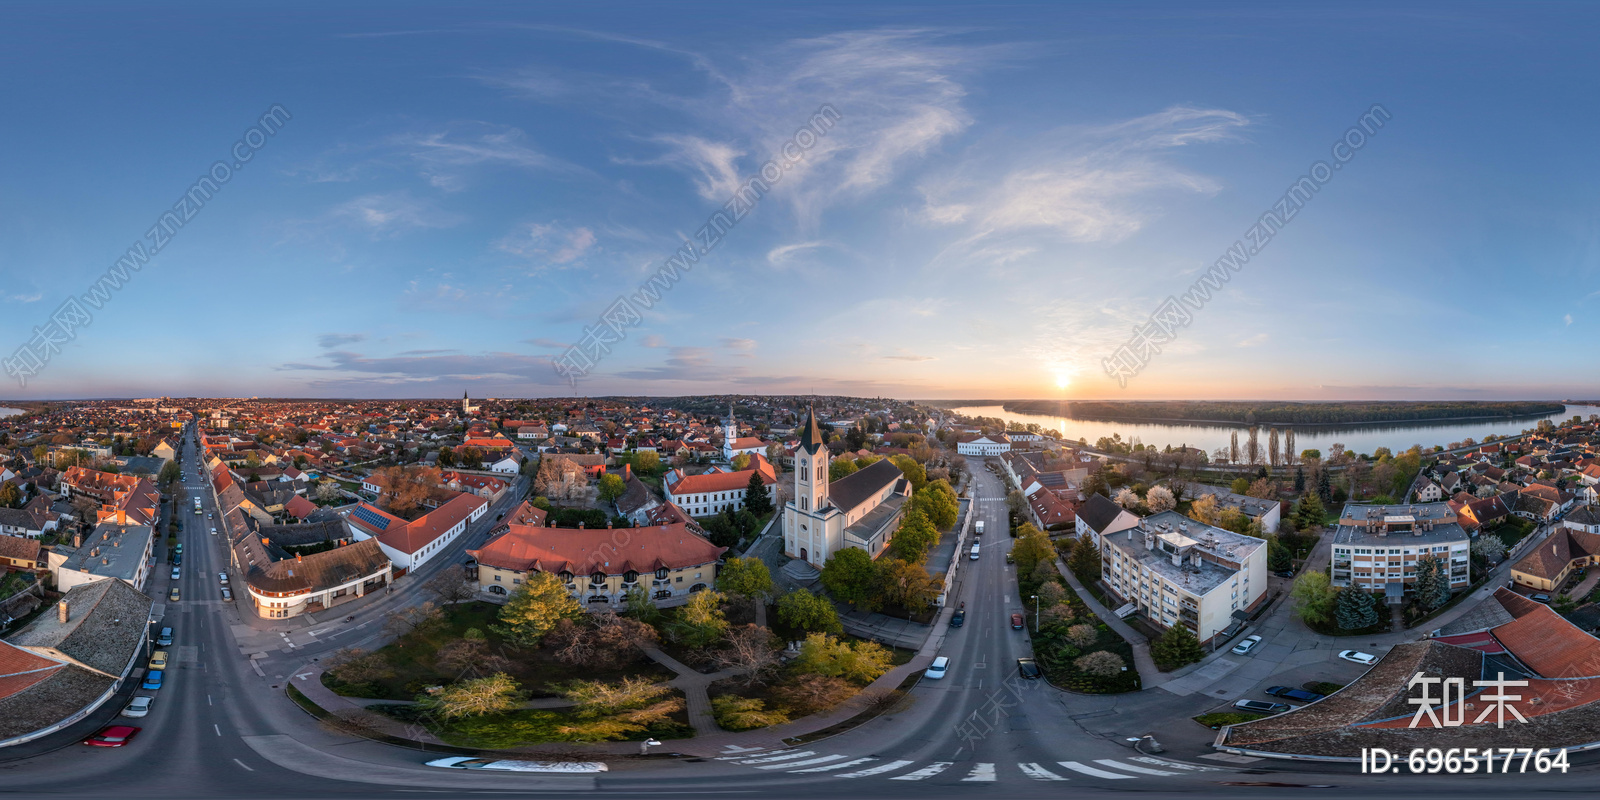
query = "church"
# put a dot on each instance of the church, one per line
(859, 510)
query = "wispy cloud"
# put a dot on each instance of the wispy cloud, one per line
(739, 344)
(652, 340)
(1254, 341)
(340, 339)
(393, 213)
(1567, 318)
(29, 297)
(548, 243)
(909, 358)
(425, 367)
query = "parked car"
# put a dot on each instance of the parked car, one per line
(508, 765)
(175, 573)
(1261, 706)
(1295, 694)
(139, 707)
(1284, 573)
(1016, 622)
(112, 736)
(958, 619)
(152, 679)
(1011, 559)
(937, 669)
(177, 560)
(222, 577)
(165, 639)
(1358, 657)
(158, 660)
(226, 595)
(1540, 598)
(178, 547)
(1027, 668)
(974, 555)
(173, 594)
(1246, 646)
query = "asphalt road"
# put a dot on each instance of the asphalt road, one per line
(219, 729)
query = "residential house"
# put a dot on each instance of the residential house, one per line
(716, 491)
(983, 445)
(600, 567)
(411, 544)
(1377, 547)
(1176, 571)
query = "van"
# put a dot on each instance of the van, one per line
(974, 555)
(978, 527)
(937, 669)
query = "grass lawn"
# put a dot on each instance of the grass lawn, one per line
(1513, 530)
(538, 672)
(1056, 655)
(1221, 718)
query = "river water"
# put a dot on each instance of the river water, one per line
(1359, 438)
(9, 412)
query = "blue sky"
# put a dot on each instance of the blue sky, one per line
(1009, 190)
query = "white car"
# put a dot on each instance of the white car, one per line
(938, 668)
(1246, 646)
(139, 707)
(504, 765)
(223, 578)
(1358, 657)
(174, 573)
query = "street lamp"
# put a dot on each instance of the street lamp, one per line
(644, 746)
(1036, 612)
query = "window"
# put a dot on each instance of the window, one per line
(661, 574)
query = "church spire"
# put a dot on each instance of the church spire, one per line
(810, 435)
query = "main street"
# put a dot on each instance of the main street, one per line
(220, 728)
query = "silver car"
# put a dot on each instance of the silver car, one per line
(1246, 646)
(508, 765)
(139, 707)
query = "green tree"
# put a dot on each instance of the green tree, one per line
(745, 578)
(721, 530)
(840, 467)
(1299, 479)
(938, 501)
(734, 713)
(1086, 560)
(1176, 647)
(741, 462)
(495, 694)
(860, 662)
(171, 472)
(808, 612)
(912, 470)
(914, 538)
(540, 503)
(611, 487)
(1356, 609)
(534, 609)
(1309, 511)
(1324, 486)
(700, 621)
(756, 497)
(1017, 502)
(1240, 485)
(1279, 559)
(10, 496)
(1313, 598)
(637, 604)
(646, 461)
(1031, 547)
(851, 576)
(1432, 587)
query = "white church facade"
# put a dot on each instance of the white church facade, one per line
(733, 444)
(860, 510)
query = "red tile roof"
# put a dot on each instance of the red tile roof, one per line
(722, 481)
(420, 532)
(299, 507)
(582, 552)
(1550, 645)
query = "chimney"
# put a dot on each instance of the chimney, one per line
(62, 614)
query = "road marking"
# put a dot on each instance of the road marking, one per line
(878, 770)
(832, 767)
(242, 764)
(806, 763)
(1174, 764)
(1039, 773)
(733, 748)
(208, 700)
(926, 772)
(1131, 768)
(980, 773)
(1087, 770)
(217, 729)
(784, 757)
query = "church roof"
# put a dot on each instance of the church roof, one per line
(811, 437)
(856, 488)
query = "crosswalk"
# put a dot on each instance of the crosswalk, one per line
(838, 765)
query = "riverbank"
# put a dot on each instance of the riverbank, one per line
(1076, 410)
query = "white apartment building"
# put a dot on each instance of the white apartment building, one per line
(1377, 547)
(983, 445)
(1178, 571)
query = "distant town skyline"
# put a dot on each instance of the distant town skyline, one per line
(454, 198)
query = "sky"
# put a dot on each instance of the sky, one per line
(420, 201)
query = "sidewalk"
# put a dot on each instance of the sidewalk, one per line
(1149, 676)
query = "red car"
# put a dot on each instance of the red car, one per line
(1016, 622)
(112, 736)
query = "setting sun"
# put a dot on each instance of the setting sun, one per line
(1063, 380)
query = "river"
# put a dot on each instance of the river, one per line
(1359, 438)
(10, 412)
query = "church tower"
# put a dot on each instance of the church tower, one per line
(811, 467)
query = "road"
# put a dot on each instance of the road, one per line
(219, 728)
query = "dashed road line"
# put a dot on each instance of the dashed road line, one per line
(1088, 770)
(1039, 773)
(1131, 768)
(926, 772)
(880, 769)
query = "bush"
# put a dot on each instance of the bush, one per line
(744, 713)
(1100, 663)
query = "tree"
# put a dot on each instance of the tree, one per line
(1279, 559)
(1176, 647)
(859, 662)
(1356, 609)
(1263, 488)
(356, 666)
(1324, 486)
(1299, 479)
(700, 621)
(840, 467)
(328, 491)
(495, 694)
(600, 640)
(741, 462)
(808, 612)
(1100, 664)
(611, 487)
(1490, 548)
(915, 536)
(1240, 485)
(721, 530)
(1160, 499)
(646, 461)
(1017, 503)
(451, 585)
(938, 500)
(1313, 598)
(745, 578)
(751, 651)
(413, 618)
(1126, 498)
(808, 693)
(757, 500)
(851, 576)
(10, 496)
(906, 584)
(1086, 560)
(1082, 635)
(1204, 510)
(1432, 587)
(171, 473)
(534, 609)
(735, 713)
(1309, 512)
(470, 655)
(914, 472)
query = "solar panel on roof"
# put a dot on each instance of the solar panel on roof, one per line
(371, 517)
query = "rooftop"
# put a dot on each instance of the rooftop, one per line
(112, 550)
(1190, 554)
(1418, 523)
